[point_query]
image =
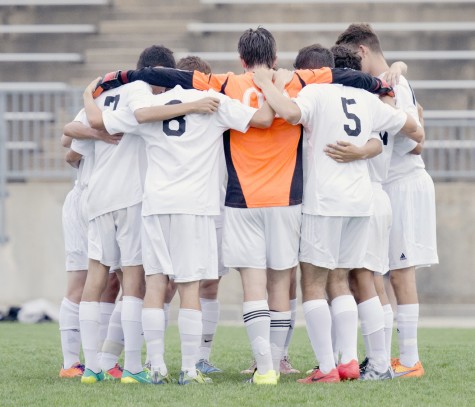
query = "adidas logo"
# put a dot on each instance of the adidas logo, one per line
(403, 257)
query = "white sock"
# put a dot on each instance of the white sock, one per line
(114, 342)
(319, 325)
(345, 318)
(70, 334)
(106, 311)
(166, 309)
(407, 319)
(279, 328)
(210, 315)
(293, 316)
(388, 328)
(336, 350)
(89, 317)
(190, 326)
(133, 339)
(372, 327)
(257, 321)
(153, 323)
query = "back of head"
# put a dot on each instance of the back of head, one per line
(257, 47)
(314, 57)
(156, 55)
(193, 63)
(346, 58)
(360, 34)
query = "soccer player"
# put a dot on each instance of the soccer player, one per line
(411, 192)
(337, 198)
(264, 191)
(181, 194)
(75, 239)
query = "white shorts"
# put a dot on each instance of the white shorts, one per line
(75, 230)
(114, 238)
(377, 258)
(334, 241)
(222, 269)
(262, 238)
(413, 240)
(180, 246)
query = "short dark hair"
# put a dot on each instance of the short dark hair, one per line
(257, 47)
(314, 56)
(346, 58)
(360, 34)
(156, 55)
(194, 63)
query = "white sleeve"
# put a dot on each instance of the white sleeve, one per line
(306, 100)
(119, 121)
(81, 117)
(405, 99)
(83, 147)
(385, 117)
(140, 95)
(403, 145)
(232, 114)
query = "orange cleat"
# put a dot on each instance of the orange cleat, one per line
(318, 377)
(75, 370)
(349, 371)
(403, 371)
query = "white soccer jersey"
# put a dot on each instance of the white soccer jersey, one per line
(86, 149)
(119, 170)
(402, 162)
(183, 175)
(332, 113)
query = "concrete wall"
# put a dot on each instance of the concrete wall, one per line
(32, 262)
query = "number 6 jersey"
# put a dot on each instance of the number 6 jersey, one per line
(332, 113)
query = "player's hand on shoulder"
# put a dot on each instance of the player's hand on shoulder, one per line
(395, 71)
(343, 152)
(282, 77)
(206, 105)
(92, 86)
(262, 76)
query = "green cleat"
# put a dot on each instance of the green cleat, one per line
(199, 379)
(140, 377)
(157, 378)
(89, 377)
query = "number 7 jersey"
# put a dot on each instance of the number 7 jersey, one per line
(332, 113)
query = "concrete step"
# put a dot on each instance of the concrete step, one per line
(151, 27)
(172, 40)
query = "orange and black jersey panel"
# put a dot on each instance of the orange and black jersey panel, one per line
(264, 165)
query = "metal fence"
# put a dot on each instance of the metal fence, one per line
(32, 117)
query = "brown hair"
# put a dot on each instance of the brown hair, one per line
(313, 57)
(346, 58)
(194, 63)
(360, 34)
(257, 47)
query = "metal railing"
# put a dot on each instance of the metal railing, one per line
(32, 116)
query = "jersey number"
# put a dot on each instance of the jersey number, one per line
(351, 116)
(384, 137)
(181, 123)
(112, 100)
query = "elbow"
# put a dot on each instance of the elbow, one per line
(266, 123)
(65, 141)
(417, 150)
(140, 116)
(97, 124)
(292, 118)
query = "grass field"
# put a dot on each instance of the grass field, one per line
(30, 359)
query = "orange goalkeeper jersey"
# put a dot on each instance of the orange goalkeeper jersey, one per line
(264, 165)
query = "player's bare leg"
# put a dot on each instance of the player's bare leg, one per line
(257, 316)
(278, 290)
(403, 282)
(345, 319)
(132, 303)
(210, 314)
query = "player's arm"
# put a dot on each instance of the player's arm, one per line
(395, 71)
(166, 77)
(205, 105)
(418, 149)
(79, 131)
(411, 129)
(66, 141)
(73, 158)
(344, 152)
(281, 104)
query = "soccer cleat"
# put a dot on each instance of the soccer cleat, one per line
(349, 371)
(114, 373)
(317, 376)
(270, 378)
(131, 378)
(200, 378)
(89, 377)
(403, 371)
(157, 378)
(286, 366)
(205, 367)
(309, 371)
(250, 369)
(370, 373)
(363, 365)
(75, 370)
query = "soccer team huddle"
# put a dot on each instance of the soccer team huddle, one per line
(184, 174)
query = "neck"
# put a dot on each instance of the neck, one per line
(378, 65)
(256, 67)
